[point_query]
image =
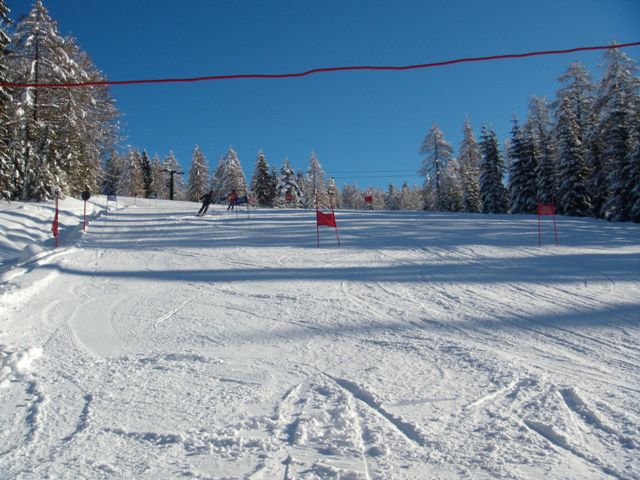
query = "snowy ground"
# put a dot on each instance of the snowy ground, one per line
(430, 346)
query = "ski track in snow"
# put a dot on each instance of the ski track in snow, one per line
(429, 346)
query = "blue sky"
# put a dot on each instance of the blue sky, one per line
(370, 123)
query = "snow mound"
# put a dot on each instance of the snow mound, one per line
(17, 364)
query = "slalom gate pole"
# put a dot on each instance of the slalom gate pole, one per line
(56, 232)
(539, 231)
(317, 225)
(334, 219)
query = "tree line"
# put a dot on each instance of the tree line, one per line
(580, 151)
(51, 139)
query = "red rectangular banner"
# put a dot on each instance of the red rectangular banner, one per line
(546, 210)
(328, 219)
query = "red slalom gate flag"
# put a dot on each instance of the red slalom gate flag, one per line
(326, 219)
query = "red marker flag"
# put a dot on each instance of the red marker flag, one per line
(327, 219)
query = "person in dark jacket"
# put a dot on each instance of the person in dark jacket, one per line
(206, 200)
(232, 199)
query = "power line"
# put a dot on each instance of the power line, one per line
(412, 170)
(317, 70)
(377, 176)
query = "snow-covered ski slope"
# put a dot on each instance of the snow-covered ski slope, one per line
(430, 346)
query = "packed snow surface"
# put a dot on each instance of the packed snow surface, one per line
(161, 345)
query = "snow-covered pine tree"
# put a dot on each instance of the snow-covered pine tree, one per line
(315, 177)
(136, 174)
(91, 125)
(616, 105)
(576, 100)
(546, 170)
(274, 181)
(437, 153)
(147, 173)
(170, 164)
(308, 198)
(217, 178)
(39, 56)
(233, 178)
(634, 164)
(522, 177)
(6, 165)
(392, 198)
(198, 184)
(379, 197)
(578, 92)
(452, 193)
(572, 190)
(160, 189)
(335, 199)
(492, 190)
(289, 186)
(469, 160)
(349, 195)
(261, 182)
(405, 197)
(113, 175)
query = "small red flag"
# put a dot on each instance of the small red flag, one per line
(546, 210)
(328, 219)
(54, 227)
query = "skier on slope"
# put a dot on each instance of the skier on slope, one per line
(206, 200)
(232, 199)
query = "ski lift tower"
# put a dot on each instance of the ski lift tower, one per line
(171, 173)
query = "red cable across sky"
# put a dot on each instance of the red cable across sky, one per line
(316, 70)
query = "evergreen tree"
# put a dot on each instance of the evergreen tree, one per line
(113, 175)
(308, 198)
(217, 179)
(233, 177)
(405, 196)
(452, 192)
(634, 164)
(262, 182)
(578, 92)
(574, 199)
(135, 175)
(63, 132)
(437, 153)
(315, 176)
(492, 190)
(198, 184)
(597, 184)
(616, 104)
(274, 182)
(546, 170)
(352, 198)
(39, 57)
(6, 165)
(335, 199)
(147, 173)
(288, 186)
(90, 127)
(522, 178)
(392, 198)
(469, 160)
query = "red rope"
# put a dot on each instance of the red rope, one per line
(316, 70)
